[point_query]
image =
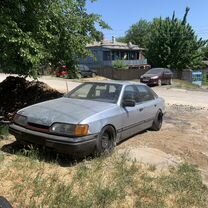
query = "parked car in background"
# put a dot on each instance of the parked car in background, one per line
(62, 71)
(85, 71)
(157, 76)
(93, 117)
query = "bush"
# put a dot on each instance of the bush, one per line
(120, 65)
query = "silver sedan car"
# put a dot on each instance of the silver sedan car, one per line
(93, 117)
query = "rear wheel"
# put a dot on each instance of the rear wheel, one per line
(157, 123)
(170, 82)
(106, 140)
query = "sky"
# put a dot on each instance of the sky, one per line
(121, 14)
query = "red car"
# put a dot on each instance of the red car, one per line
(62, 71)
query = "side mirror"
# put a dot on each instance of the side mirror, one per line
(128, 103)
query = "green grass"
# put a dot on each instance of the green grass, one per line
(184, 85)
(102, 182)
(1, 158)
(4, 131)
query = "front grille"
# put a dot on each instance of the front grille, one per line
(146, 78)
(37, 127)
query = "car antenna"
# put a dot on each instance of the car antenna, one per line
(67, 89)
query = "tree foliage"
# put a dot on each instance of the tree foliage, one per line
(170, 42)
(35, 33)
(205, 52)
(173, 44)
(138, 34)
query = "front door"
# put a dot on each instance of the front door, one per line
(141, 116)
(132, 117)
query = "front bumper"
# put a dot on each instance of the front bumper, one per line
(149, 81)
(67, 145)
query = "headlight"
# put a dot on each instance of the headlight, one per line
(20, 119)
(70, 129)
(155, 77)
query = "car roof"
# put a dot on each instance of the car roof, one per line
(117, 82)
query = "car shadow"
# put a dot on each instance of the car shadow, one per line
(128, 138)
(43, 154)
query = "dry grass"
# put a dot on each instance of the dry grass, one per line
(30, 178)
(185, 85)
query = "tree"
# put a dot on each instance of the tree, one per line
(173, 44)
(35, 33)
(205, 52)
(138, 33)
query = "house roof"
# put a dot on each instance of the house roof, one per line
(114, 45)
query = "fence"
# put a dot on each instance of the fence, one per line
(125, 74)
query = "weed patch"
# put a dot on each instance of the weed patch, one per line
(114, 181)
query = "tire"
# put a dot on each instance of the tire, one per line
(4, 203)
(157, 123)
(159, 82)
(106, 140)
(170, 82)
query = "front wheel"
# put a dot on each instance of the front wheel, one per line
(4, 203)
(106, 140)
(93, 74)
(157, 123)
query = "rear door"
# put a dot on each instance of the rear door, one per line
(147, 105)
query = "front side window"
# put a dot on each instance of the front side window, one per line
(103, 92)
(130, 93)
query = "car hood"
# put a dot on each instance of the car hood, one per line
(64, 110)
(150, 75)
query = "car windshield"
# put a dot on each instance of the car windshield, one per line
(155, 71)
(103, 92)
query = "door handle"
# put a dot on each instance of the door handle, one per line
(155, 105)
(141, 109)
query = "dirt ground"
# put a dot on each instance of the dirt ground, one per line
(184, 134)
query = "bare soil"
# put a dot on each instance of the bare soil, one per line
(184, 134)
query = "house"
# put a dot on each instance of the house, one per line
(106, 53)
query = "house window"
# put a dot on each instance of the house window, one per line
(124, 55)
(106, 56)
(132, 55)
(115, 55)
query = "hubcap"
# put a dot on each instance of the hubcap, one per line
(160, 118)
(105, 141)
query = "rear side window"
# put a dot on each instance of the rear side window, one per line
(167, 71)
(145, 94)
